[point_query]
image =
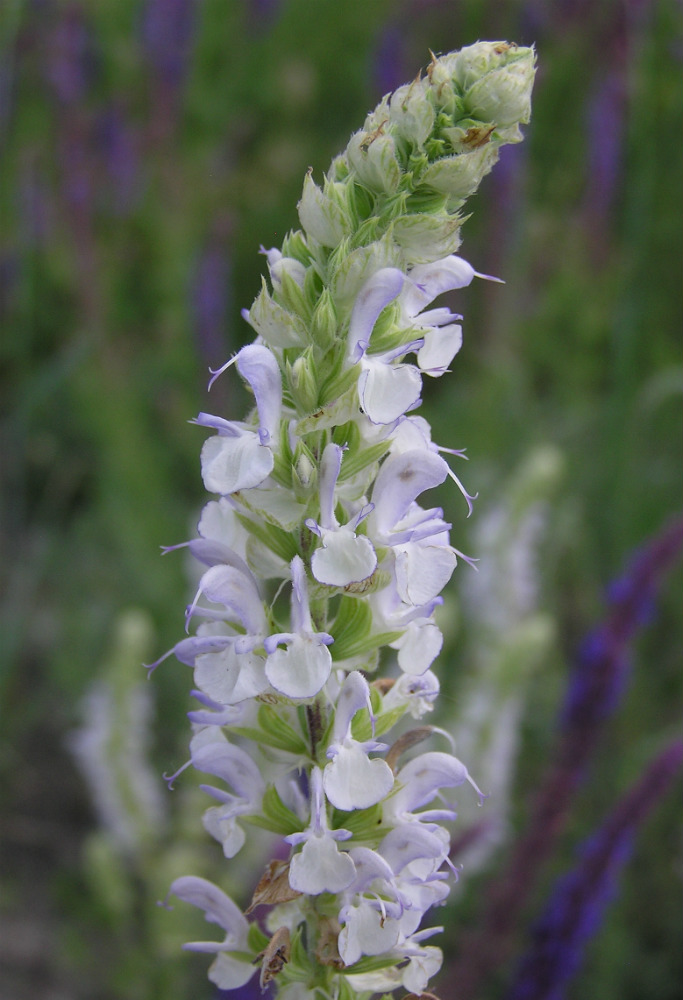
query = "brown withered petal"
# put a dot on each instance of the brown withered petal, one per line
(275, 956)
(383, 684)
(273, 886)
(327, 950)
(405, 742)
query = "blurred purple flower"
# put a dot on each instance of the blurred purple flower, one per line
(578, 901)
(263, 13)
(118, 145)
(210, 299)
(167, 34)
(36, 217)
(606, 119)
(602, 665)
(389, 61)
(592, 696)
(70, 65)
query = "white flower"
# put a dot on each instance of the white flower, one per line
(301, 669)
(227, 972)
(320, 866)
(370, 912)
(389, 390)
(419, 782)
(239, 457)
(344, 557)
(353, 780)
(212, 753)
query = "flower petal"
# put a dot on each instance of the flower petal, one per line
(378, 292)
(321, 867)
(426, 281)
(441, 344)
(300, 670)
(229, 677)
(422, 571)
(235, 463)
(401, 478)
(237, 592)
(259, 367)
(344, 558)
(230, 973)
(218, 907)
(355, 781)
(232, 765)
(386, 391)
(418, 647)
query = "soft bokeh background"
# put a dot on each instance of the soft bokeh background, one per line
(149, 147)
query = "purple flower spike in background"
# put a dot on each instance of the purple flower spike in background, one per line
(601, 670)
(578, 901)
(593, 693)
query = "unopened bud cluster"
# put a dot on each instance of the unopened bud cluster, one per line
(318, 555)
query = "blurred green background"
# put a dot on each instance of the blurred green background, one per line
(149, 147)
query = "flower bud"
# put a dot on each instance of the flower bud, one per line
(373, 157)
(503, 95)
(322, 215)
(412, 115)
(460, 176)
(474, 61)
(425, 238)
(357, 267)
(303, 382)
(277, 326)
(304, 472)
(324, 321)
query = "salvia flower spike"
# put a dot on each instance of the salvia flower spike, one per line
(317, 499)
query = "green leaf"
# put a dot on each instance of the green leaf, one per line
(364, 824)
(370, 963)
(256, 939)
(279, 541)
(352, 631)
(355, 461)
(275, 815)
(279, 731)
(385, 721)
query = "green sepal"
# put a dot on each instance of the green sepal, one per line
(256, 939)
(275, 815)
(340, 379)
(336, 411)
(273, 732)
(361, 726)
(294, 245)
(353, 633)
(272, 722)
(370, 963)
(385, 721)
(292, 296)
(324, 321)
(302, 380)
(364, 824)
(279, 541)
(298, 968)
(355, 461)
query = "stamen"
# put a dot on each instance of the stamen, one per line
(468, 497)
(216, 372)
